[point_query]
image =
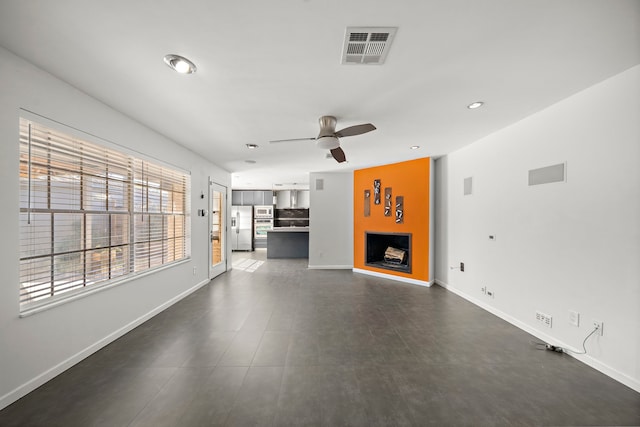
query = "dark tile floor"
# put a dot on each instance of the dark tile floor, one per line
(287, 346)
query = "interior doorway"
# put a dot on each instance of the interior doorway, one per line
(217, 229)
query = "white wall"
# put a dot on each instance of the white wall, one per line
(36, 348)
(563, 246)
(331, 221)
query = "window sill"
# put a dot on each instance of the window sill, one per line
(72, 296)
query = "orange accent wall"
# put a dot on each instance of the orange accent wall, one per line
(411, 180)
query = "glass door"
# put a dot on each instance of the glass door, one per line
(217, 216)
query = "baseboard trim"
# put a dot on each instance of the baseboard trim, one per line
(329, 267)
(586, 359)
(393, 277)
(56, 370)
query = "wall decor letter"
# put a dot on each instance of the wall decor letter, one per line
(387, 201)
(399, 210)
(376, 191)
(367, 202)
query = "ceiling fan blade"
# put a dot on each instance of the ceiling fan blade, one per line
(290, 140)
(355, 130)
(338, 154)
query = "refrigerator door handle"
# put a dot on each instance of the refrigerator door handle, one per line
(238, 222)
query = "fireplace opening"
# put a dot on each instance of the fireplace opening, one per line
(391, 251)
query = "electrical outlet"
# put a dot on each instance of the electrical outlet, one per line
(484, 290)
(462, 266)
(574, 318)
(597, 324)
(545, 319)
(194, 270)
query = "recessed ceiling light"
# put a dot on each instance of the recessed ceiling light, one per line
(475, 105)
(250, 161)
(414, 147)
(180, 64)
(252, 146)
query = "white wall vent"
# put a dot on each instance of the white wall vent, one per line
(367, 45)
(548, 174)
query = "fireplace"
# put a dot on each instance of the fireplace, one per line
(390, 251)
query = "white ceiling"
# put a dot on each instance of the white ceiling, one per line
(269, 69)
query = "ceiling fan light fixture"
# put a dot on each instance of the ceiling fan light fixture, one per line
(180, 64)
(327, 142)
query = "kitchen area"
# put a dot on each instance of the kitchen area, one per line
(273, 220)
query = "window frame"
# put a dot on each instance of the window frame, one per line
(173, 249)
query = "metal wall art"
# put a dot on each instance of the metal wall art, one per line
(376, 191)
(399, 209)
(387, 201)
(367, 202)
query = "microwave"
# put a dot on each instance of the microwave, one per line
(263, 211)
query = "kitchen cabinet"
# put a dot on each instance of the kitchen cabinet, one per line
(288, 243)
(258, 197)
(252, 197)
(268, 197)
(262, 198)
(236, 198)
(247, 198)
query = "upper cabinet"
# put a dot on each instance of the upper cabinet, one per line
(236, 198)
(251, 197)
(265, 196)
(247, 198)
(285, 199)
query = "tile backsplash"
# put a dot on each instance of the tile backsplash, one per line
(291, 218)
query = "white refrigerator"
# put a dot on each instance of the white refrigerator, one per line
(241, 222)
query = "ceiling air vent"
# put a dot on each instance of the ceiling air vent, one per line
(367, 45)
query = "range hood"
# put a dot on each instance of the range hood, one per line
(292, 199)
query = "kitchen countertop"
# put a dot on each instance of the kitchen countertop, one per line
(289, 230)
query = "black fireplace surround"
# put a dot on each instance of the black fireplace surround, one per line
(376, 243)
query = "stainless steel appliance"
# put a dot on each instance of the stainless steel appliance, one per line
(263, 211)
(261, 227)
(262, 223)
(241, 221)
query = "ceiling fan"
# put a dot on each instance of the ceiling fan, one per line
(328, 136)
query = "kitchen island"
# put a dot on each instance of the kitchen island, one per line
(288, 242)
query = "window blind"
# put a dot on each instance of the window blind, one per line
(90, 214)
